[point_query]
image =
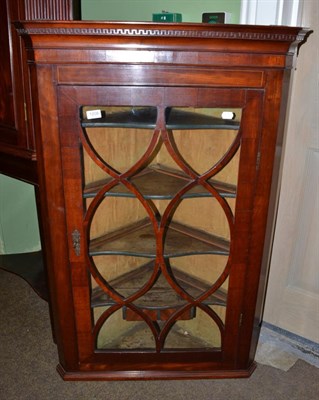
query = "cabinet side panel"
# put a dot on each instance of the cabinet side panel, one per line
(264, 211)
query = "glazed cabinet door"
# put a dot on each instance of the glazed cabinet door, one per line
(159, 194)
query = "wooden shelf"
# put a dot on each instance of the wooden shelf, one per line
(145, 118)
(159, 182)
(139, 240)
(161, 300)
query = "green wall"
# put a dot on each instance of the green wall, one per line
(19, 230)
(142, 10)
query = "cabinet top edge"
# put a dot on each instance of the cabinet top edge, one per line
(167, 30)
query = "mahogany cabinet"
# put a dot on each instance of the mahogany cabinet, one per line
(158, 157)
(17, 147)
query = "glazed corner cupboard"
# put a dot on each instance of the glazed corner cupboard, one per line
(158, 155)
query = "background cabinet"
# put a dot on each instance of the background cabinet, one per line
(17, 144)
(18, 157)
(159, 208)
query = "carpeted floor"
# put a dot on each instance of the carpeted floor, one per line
(28, 359)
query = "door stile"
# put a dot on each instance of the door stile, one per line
(52, 204)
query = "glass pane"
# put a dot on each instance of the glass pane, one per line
(201, 331)
(201, 137)
(125, 276)
(198, 273)
(119, 333)
(121, 226)
(119, 136)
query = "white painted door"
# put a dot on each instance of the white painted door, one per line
(292, 301)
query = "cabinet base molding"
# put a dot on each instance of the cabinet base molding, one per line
(153, 375)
